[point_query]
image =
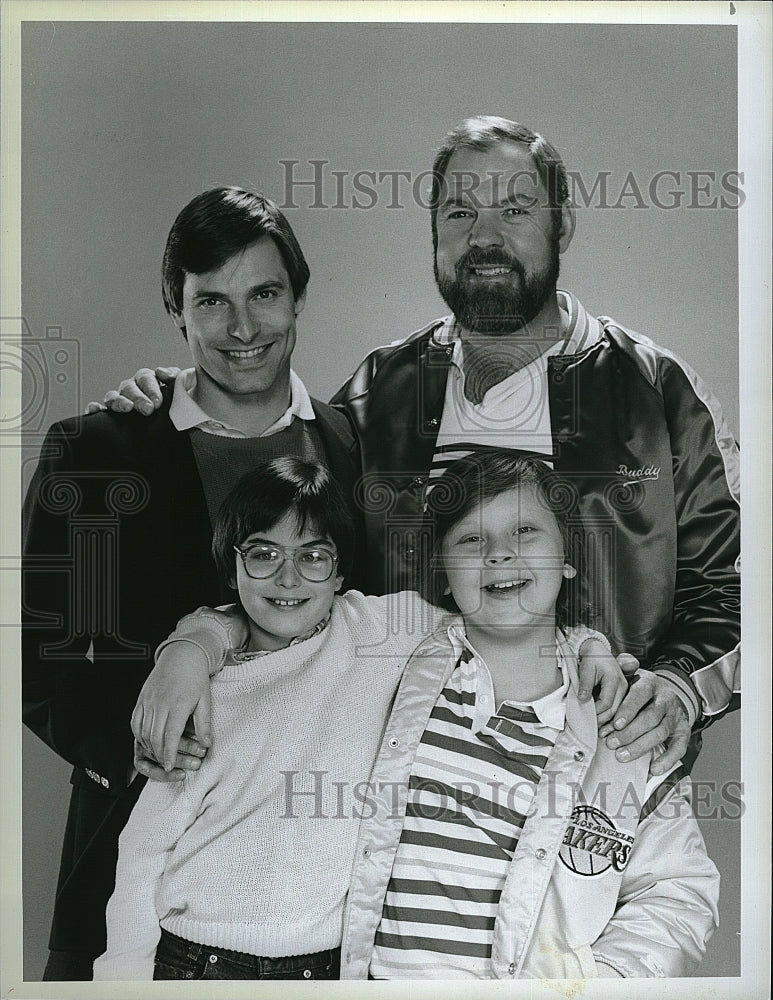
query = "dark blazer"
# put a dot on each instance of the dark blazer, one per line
(116, 549)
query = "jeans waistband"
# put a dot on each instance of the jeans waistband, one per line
(263, 965)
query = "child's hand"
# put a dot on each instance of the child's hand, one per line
(651, 714)
(177, 688)
(598, 668)
(189, 756)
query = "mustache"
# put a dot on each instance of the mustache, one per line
(494, 257)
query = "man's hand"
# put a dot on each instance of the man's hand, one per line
(601, 672)
(141, 392)
(651, 714)
(176, 691)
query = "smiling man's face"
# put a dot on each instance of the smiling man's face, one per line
(498, 240)
(240, 324)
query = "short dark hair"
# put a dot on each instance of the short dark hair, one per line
(483, 132)
(484, 475)
(266, 494)
(216, 225)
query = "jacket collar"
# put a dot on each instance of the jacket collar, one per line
(580, 716)
(581, 329)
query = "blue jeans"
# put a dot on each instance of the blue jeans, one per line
(177, 958)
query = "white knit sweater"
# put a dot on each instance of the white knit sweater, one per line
(233, 856)
(236, 855)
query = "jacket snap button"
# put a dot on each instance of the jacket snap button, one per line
(579, 755)
(307, 973)
(511, 968)
(394, 742)
(366, 852)
(213, 959)
(541, 853)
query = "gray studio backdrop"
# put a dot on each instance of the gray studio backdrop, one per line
(124, 123)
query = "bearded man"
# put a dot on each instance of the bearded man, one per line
(521, 364)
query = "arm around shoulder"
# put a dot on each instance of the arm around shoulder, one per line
(178, 687)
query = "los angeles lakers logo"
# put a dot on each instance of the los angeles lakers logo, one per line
(592, 844)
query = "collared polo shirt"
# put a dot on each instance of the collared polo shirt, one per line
(471, 787)
(185, 413)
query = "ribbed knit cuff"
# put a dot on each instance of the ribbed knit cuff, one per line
(683, 687)
(280, 938)
(580, 634)
(207, 630)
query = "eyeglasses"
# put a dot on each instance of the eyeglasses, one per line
(313, 563)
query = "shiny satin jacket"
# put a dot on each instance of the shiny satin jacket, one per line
(655, 469)
(605, 880)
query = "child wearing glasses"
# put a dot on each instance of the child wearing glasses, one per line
(241, 870)
(227, 874)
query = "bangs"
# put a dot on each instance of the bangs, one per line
(284, 487)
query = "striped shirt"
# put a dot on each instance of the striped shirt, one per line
(471, 786)
(515, 412)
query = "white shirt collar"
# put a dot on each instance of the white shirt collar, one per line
(185, 413)
(550, 709)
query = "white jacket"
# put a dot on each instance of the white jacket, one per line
(610, 877)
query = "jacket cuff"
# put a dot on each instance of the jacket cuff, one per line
(578, 634)
(684, 689)
(607, 969)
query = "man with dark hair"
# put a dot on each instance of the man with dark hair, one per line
(117, 523)
(217, 225)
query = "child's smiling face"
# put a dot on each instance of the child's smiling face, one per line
(284, 605)
(504, 561)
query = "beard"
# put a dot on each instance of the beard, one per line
(507, 305)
